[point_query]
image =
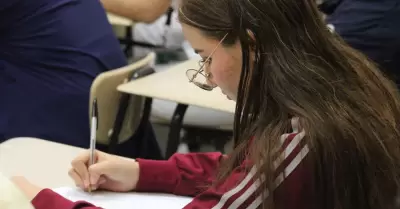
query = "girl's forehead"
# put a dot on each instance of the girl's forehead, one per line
(197, 39)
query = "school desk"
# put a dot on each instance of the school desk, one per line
(46, 164)
(173, 85)
(119, 21)
(42, 162)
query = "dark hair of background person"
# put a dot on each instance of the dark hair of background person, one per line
(348, 109)
(329, 6)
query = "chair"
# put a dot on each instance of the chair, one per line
(119, 114)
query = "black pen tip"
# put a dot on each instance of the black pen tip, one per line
(94, 108)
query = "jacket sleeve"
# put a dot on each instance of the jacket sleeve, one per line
(47, 199)
(183, 174)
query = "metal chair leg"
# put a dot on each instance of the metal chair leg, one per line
(175, 130)
(128, 44)
(119, 120)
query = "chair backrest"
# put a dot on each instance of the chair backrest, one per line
(104, 89)
(11, 197)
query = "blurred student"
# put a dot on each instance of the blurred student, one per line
(373, 27)
(146, 11)
(51, 50)
(155, 24)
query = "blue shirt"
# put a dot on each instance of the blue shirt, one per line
(50, 52)
(372, 27)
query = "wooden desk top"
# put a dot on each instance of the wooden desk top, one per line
(44, 163)
(173, 85)
(119, 21)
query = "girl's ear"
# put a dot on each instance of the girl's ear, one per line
(251, 35)
(251, 39)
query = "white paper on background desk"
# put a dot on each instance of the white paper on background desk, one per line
(112, 200)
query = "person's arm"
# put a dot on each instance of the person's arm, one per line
(190, 174)
(138, 10)
(48, 199)
(182, 174)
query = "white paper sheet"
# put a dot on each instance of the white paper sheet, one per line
(111, 200)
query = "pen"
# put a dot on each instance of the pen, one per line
(93, 130)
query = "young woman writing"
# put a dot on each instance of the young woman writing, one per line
(316, 123)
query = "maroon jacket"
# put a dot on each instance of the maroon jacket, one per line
(188, 174)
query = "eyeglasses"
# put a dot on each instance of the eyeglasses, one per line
(201, 78)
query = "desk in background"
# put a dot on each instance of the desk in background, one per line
(42, 162)
(173, 85)
(119, 21)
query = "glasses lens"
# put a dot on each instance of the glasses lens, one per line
(199, 80)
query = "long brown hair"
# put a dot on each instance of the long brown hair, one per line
(348, 109)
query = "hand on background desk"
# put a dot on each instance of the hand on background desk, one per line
(30, 190)
(110, 172)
